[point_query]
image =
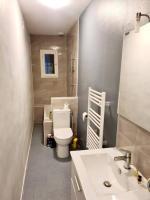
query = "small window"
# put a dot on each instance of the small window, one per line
(49, 64)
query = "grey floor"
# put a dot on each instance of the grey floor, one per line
(47, 177)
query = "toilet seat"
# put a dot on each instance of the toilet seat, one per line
(63, 133)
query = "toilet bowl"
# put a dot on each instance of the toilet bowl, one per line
(62, 131)
(63, 137)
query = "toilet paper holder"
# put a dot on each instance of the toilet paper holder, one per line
(84, 116)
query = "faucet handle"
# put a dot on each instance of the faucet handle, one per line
(125, 151)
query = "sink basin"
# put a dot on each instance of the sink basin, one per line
(103, 178)
(104, 170)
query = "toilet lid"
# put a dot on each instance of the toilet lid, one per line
(63, 133)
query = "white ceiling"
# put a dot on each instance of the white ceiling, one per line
(46, 21)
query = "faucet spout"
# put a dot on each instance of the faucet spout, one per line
(126, 158)
(118, 158)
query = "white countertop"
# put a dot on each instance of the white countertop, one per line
(140, 194)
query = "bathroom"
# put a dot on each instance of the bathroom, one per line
(97, 46)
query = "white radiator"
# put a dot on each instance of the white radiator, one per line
(95, 120)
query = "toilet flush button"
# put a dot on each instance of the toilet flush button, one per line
(66, 106)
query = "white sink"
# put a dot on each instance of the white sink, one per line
(94, 167)
(101, 168)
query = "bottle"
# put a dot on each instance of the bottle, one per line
(50, 115)
(49, 140)
(53, 145)
(74, 143)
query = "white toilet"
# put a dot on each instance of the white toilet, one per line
(62, 131)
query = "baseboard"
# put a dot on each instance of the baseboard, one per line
(26, 165)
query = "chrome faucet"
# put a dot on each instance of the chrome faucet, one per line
(126, 158)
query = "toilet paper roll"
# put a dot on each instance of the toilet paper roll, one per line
(84, 116)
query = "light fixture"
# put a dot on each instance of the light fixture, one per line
(55, 4)
(55, 48)
(138, 19)
(61, 34)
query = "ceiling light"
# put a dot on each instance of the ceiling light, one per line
(55, 4)
(61, 34)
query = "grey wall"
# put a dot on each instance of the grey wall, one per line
(15, 99)
(101, 36)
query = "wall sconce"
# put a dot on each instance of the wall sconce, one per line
(138, 19)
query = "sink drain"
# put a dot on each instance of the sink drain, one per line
(107, 184)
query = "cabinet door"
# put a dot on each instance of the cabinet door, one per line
(76, 186)
(73, 192)
(78, 189)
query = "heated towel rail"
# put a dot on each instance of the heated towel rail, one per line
(95, 120)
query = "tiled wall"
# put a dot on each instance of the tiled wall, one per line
(72, 60)
(73, 104)
(45, 88)
(132, 137)
(38, 113)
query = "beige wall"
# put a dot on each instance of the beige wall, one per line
(15, 99)
(45, 88)
(72, 60)
(130, 135)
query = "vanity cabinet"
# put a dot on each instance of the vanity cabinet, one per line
(76, 189)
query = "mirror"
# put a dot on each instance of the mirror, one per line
(134, 94)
